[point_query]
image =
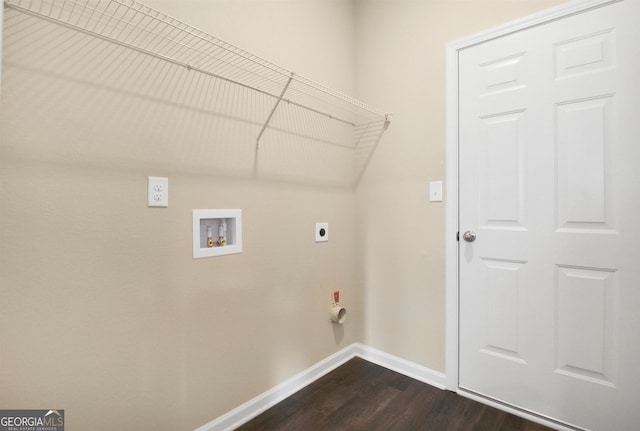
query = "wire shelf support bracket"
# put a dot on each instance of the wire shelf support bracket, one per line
(273, 111)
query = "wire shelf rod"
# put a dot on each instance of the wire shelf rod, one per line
(141, 50)
(155, 36)
(232, 51)
(148, 28)
(196, 33)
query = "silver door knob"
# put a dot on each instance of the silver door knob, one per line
(469, 236)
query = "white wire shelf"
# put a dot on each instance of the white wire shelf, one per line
(292, 102)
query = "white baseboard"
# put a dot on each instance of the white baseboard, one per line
(402, 366)
(264, 401)
(252, 408)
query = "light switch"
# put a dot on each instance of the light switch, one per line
(435, 191)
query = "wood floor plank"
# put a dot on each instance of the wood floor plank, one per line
(409, 410)
(362, 396)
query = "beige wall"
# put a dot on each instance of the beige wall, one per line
(401, 67)
(103, 311)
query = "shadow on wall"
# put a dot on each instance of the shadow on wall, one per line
(116, 105)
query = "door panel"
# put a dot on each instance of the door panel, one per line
(501, 170)
(549, 146)
(584, 334)
(584, 172)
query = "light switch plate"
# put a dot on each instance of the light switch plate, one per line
(435, 191)
(158, 192)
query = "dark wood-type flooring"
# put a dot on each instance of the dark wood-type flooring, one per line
(363, 396)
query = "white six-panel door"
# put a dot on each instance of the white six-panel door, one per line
(549, 155)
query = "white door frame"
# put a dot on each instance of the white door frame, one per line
(1, 22)
(452, 208)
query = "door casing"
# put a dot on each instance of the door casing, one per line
(452, 173)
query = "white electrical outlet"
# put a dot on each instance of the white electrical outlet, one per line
(158, 192)
(322, 232)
